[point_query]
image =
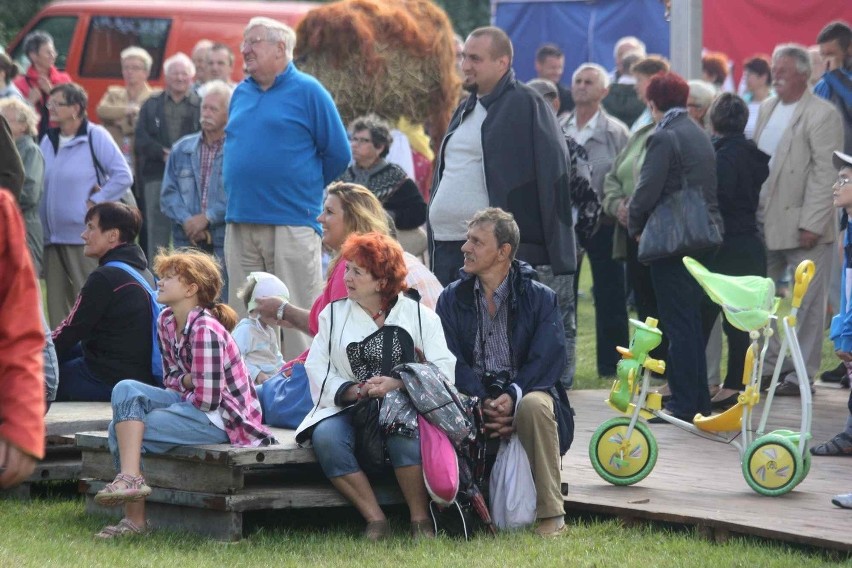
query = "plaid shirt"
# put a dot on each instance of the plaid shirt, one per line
(206, 351)
(208, 155)
(498, 353)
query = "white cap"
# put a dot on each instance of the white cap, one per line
(267, 284)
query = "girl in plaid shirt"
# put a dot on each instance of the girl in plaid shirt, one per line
(208, 398)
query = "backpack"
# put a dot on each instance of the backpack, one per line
(156, 356)
(584, 199)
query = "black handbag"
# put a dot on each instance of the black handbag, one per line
(681, 223)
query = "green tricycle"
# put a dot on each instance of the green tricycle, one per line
(623, 450)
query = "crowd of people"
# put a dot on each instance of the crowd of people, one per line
(189, 183)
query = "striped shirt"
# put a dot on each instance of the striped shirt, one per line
(205, 350)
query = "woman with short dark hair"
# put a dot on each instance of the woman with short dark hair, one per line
(741, 170)
(677, 149)
(757, 75)
(107, 337)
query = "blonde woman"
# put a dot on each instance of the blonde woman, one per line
(23, 122)
(119, 107)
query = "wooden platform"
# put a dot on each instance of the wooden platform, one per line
(699, 482)
(62, 460)
(696, 481)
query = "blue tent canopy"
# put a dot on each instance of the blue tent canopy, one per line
(585, 31)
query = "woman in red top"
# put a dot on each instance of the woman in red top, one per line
(42, 76)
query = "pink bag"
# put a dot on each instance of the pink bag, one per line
(440, 463)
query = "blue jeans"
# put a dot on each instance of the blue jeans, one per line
(169, 422)
(77, 382)
(334, 446)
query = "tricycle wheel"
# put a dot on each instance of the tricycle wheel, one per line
(619, 460)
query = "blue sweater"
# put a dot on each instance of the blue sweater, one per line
(283, 146)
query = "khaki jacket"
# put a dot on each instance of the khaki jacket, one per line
(797, 193)
(112, 113)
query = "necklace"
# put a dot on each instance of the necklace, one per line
(378, 314)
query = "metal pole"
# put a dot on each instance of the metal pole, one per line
(686, 38)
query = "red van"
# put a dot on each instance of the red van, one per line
(89, 35)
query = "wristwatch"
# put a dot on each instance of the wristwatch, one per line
(279, 315)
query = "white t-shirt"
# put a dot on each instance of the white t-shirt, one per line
(63, 140)
(462, 190)
(775, 127)
(581, 136)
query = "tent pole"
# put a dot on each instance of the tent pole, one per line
(686, 38)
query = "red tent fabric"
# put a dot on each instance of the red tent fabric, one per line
(743, 28)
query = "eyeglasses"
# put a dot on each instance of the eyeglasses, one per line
(356, 140)
(55, 104)
(251, 43)
(841, 181)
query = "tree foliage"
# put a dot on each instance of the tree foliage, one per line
(15, 14)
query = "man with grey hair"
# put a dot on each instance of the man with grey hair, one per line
(800, 132)
(626, 45)
(199, 59)
(505, 329)
(193, 196)
(285, 142)
(603, 137)
(163, 119)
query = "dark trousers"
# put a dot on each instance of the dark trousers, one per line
(78, 383)
(447, 260)
(609, 294)
(639, 276)
(679, 300)
(739, 255)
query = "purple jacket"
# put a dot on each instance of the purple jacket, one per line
(69, 176)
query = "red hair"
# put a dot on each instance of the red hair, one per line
(382, 257)
(667, 90)
(715, 64)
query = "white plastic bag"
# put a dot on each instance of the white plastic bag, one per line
(513, 495)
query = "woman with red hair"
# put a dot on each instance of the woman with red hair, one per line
(360, 339)
(678, 149)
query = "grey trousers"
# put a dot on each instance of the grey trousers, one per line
(158, 227)
(563, 285)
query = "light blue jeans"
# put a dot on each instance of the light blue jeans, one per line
(334, 446)
(169, 422)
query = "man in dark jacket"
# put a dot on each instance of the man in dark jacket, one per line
(164, 119)
(107, 336)
(505, 329)
(503, 148)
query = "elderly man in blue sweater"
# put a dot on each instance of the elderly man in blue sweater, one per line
(284, 143)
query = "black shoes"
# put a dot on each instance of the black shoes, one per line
(836, 375)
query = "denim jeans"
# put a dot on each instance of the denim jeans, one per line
(334, 445)
(169, 422)
(77, 382)
(563, 286)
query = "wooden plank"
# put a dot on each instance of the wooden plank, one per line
(699, 482)
(291, 496)
(57, 470)
(219, 525)
(73, 417)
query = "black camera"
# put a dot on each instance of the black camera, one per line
(496, 383)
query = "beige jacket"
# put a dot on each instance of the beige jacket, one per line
(797, 193)
(113, 116)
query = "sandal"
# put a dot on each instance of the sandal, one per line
(125, 527)
(122, 489)
(840, 445)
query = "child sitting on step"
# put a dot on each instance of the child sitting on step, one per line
(256, 335)
(208, 397)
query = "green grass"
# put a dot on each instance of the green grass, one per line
(54, 530)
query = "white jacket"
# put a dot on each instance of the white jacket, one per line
(353, 324)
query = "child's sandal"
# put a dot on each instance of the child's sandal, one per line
(123, 488)
(125, 527)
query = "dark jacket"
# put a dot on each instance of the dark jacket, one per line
(403, 201)
(536, 337)
(623, 103)
(661, 170)
(152, 136)
(526, 170)
(741, 169)
(111, 319)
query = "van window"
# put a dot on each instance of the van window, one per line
(109, 35)
(61, 28)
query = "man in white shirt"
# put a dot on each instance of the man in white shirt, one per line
(800, 131)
